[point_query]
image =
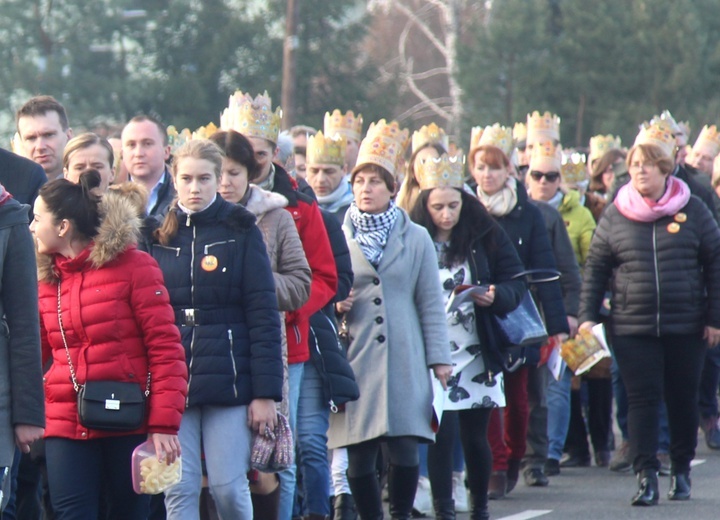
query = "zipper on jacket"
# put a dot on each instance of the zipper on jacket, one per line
(192, 301)
(208, 246)
(234, 366)
(657, 278)
(176, 249)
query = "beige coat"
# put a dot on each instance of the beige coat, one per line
(397, 330)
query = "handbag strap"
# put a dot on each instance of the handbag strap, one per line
(77, 386)
(551, 275)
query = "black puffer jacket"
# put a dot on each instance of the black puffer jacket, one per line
(665, 275)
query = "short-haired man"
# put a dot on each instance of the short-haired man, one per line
(145, 151)
(300, 135)
(704, 151)
(326, 173)
(43, 128)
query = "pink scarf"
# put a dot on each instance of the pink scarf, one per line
(634, 206)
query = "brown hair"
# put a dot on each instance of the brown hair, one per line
(493, 156)
(600, 165)
(654, 155)
(87, 140)
(140, 118)
(41, 105)
(237, 148)
(197, 149)
(77, 203)
(385, 175)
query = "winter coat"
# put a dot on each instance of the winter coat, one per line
(579, 223)
(21, 177)
(166, 195)
(526, 228)
(310, 226)
(118, 323)
(396, 331)
(662, 282)
(221, 287)
(21, 392)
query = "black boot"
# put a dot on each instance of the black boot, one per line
(402, 485)
(479, 508)
(368, 501)
(444, 509)
(679, 486)
(345, 507)
(647, 494)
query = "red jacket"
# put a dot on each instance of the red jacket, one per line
(316, 244)
(118, 323)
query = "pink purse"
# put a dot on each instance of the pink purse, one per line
(273, 450)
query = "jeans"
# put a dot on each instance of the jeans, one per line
(79, 470)
(287, 476)
(558, 404)
(313, 415)
(223, 435)
(653, 367)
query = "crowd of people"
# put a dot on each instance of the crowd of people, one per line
(220, 283)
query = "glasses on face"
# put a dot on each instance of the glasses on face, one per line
(549, 176)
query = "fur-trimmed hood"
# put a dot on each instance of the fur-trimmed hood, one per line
(120, 222)
(262, 201)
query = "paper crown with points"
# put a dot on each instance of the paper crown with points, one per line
(519, 132)
(252, 117)
(204, 132)
(384, 145)
(547, 156)
(475, 135)
(541, 127)
(660, 134)
(440, 172)
(684, 128)
(16, 144)
(666, 117)
(602, 144)
(429, 134)
(177, 139)
(348, 125)
(708, 142)
(498, 136)
(573, 172)
(322, 149)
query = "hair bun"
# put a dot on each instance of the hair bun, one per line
(89, 180)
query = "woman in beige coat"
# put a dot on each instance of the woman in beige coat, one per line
(287, 259)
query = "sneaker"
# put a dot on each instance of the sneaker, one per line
(621, 459)
(535, 477)
(570, 460)
(709, 426)
(460, 493)
(552, 467)
(423, 505)
(665, 464)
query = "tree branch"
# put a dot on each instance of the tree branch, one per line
(413, 17)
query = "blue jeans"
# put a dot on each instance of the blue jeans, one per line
(313, 421)
(223, 435)
(79, 471)
(287, 476)
(558, 403)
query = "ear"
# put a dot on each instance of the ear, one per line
(65, 228)
(166, 153)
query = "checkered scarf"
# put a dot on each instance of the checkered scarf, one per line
(372, 230)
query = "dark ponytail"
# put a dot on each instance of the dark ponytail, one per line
(78, 203)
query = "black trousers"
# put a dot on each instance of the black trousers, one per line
(656, 367)
(599, 417)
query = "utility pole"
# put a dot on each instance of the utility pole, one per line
(289, 64)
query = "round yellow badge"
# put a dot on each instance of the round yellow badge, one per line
(673, 227)
(209, 263)
(680, 217)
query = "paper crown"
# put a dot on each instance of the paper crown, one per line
(326, 150)
(252, 117)
(574, 172)
(660, 134)
(440, 172)
(541, 127)
(667, 117)
(347, 125)
(204, 132)
(546, 155)
(177, 139)
(475, 135)
(16, 144)
(384, 145)
(519, 132)
(684, 128)
(429, 134)
(708, 142)
(498, 136)
(602, 144)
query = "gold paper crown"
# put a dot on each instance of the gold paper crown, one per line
(16, 143)
(498, 136)
(660, 134)
(708, 140)
(204, 132)
(429, 134)
(252, 117)
(542, 126)
(348, 125)
(573, 172)
(519, 132)
(546, 155)
(601, 144)
(177, 139)
(475, 135)
(384, 145)
(667, 117)
(440, 172)
(326, 150)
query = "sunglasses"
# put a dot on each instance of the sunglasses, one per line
(550, 176)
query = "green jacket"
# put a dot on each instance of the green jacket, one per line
(580, 224)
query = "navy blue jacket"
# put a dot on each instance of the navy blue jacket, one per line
(221, 286)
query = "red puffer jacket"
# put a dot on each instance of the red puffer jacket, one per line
(118, 323)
